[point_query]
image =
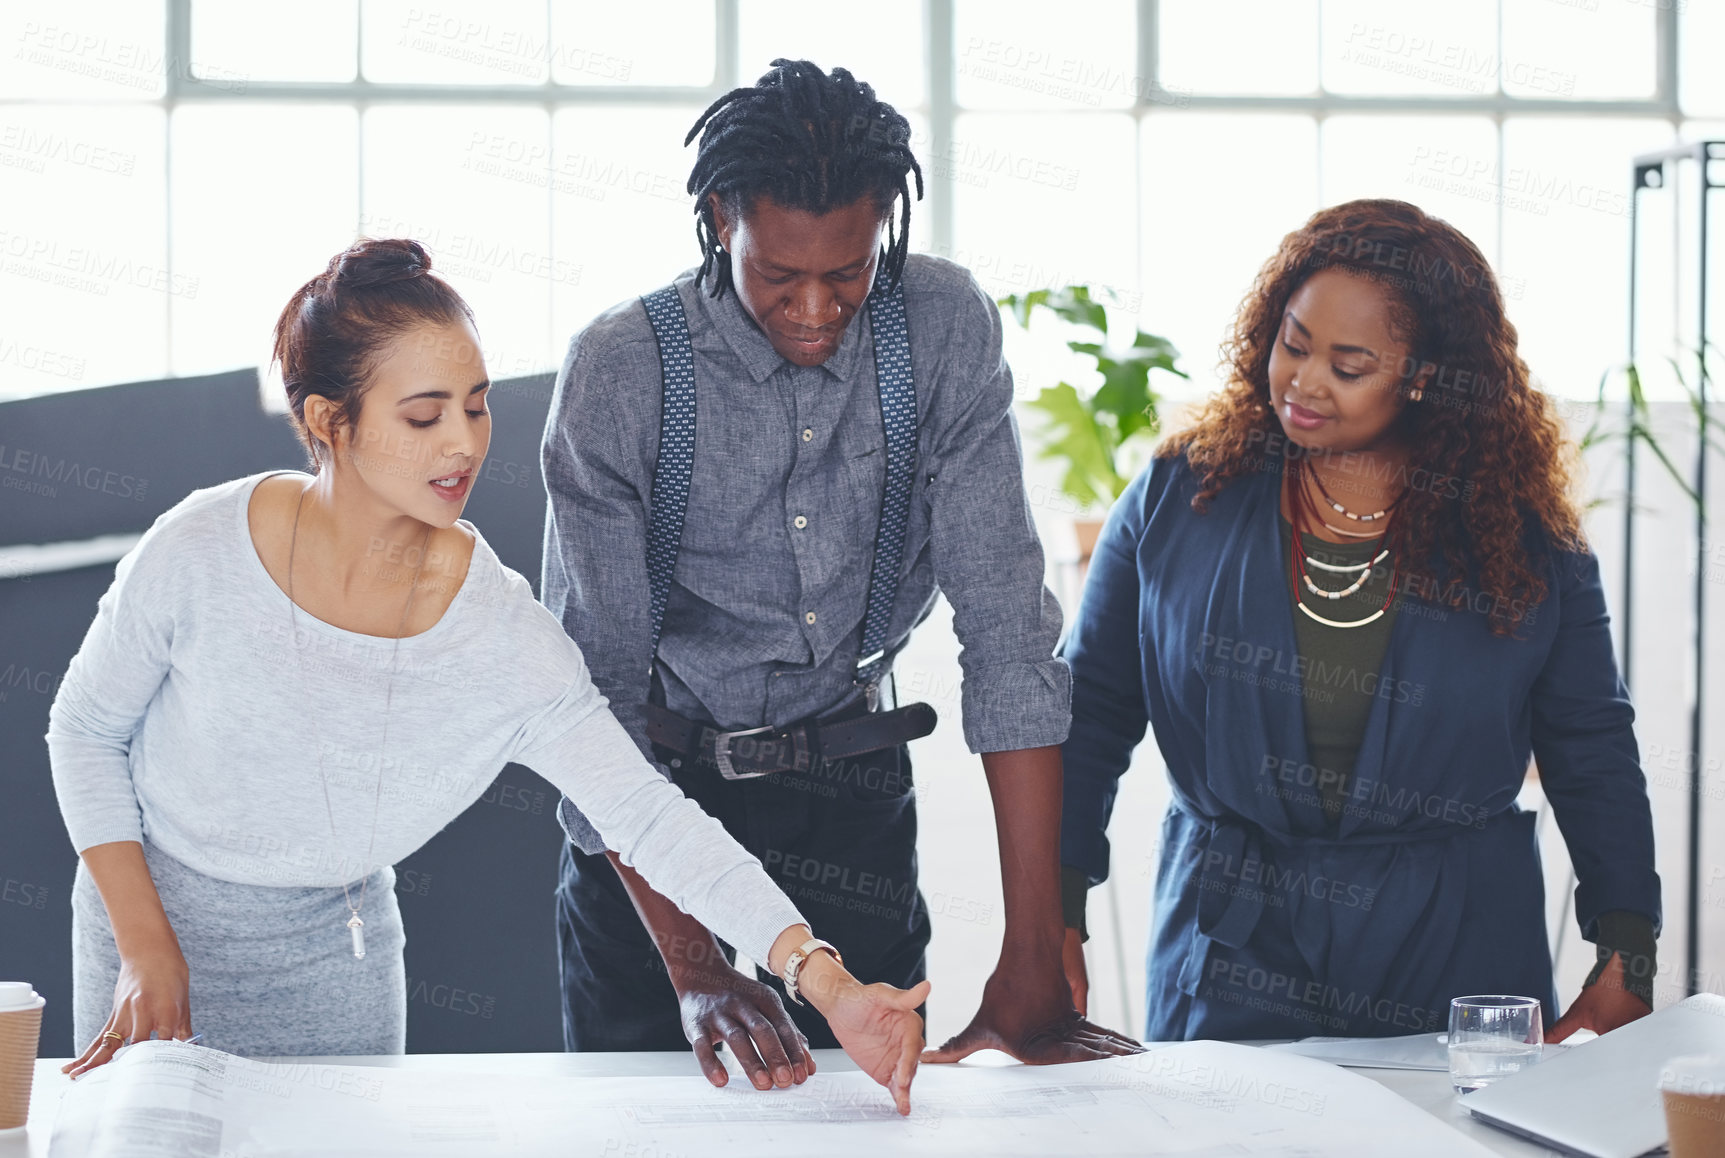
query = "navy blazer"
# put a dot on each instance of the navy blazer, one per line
(1267, 922)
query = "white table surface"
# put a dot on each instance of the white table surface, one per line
(1428, 1090)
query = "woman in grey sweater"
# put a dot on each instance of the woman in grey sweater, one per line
(296, 681)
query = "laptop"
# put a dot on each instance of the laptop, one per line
(1601, 1099)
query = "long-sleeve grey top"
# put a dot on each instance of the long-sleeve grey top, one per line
(195, 716)
(764, 619)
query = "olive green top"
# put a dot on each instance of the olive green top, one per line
(1339, 665)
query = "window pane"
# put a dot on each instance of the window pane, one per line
(99, 49)
(455, 42)
(1020, 54)
(886, 50)
(621, 222)
(1566, 242)
(312, 40)
(1200, 49)
(1205, 241)
(647, 42)
(251, 252)
(1411, 47)
(84, 278)
(1045, 200)
(1446, 165)
(470, 184)
(1703, 131)
(1571, 50)
(1700, 32)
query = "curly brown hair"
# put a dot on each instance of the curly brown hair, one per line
(1477, 422)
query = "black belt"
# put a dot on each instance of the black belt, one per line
(752, 752)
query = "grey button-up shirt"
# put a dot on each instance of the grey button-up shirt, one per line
(764, 618)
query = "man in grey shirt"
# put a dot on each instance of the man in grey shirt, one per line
(762, 625)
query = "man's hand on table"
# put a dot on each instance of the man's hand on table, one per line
(1030, 1014)
(717, 1003)
(720, 1005)
(1028, 1008)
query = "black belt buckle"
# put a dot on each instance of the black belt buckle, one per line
(722, 753)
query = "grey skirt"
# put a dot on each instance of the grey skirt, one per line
(272, 969)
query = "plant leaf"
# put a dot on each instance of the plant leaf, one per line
(1072, 436)
(1075, 305)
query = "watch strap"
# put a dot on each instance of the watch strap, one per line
(799, 956)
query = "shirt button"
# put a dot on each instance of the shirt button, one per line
(800, 522)
(807, 434)
(809, 617)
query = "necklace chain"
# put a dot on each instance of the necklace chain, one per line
(355, 926)
(1375, 516)
(1298, 501)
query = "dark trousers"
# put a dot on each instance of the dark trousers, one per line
(840, 840)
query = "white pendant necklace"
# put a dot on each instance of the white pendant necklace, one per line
(355, 926)
(1341, 593)
(1372, 618)
(1364, 576)
(1351, 567)
(1363, 569)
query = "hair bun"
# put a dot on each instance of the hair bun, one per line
(371, 262)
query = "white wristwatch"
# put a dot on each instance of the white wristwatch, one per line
(794, 963)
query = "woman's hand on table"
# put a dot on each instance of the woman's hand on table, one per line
(1077, 973)
(878, 1024)
(1602, 1007)
(151, 996)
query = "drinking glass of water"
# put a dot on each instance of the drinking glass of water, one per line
(1491, 1037)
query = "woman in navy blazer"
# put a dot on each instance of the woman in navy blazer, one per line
(1443, 594)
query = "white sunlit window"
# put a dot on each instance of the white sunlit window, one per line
(314, 40)
(1147, 147)
(1281, 60)
(252, 221)
(500, 42)
(86, 290)
(1376, 49)
(469, 183)
(645, 42)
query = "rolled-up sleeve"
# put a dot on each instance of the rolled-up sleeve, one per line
(987, 558)
(1589, 764)
(101, 701)
(594, 577)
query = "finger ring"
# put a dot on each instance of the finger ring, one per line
(112, 1034)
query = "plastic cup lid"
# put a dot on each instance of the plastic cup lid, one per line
(1702, 1076)
(17, 995)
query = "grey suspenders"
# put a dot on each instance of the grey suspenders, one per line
(676, 462)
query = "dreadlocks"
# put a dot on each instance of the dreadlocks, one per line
(809, 141)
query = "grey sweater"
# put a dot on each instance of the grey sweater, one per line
(198, 715)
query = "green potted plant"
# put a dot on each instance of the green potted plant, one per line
(1633, 424)
(1086, 430)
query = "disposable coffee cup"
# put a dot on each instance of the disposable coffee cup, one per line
(20, 1033)
(1693, 1089)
